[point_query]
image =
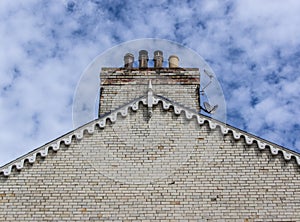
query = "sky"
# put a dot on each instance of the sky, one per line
(253, 47)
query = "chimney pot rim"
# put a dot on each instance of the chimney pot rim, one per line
(173, 56)
(129, 55)
(158, 51)
(143, 52)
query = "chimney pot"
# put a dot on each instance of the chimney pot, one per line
(128, 60)
(173, 61)
(158, 59)
(143, 59)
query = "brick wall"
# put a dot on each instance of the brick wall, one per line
(119, 86)
(164, 168)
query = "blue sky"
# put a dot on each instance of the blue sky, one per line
(253, 46)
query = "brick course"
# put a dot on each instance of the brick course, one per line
(119, 86)
(217, 179)
(164, 167)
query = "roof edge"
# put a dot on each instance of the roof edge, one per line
(148, 100)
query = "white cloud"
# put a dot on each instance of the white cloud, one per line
(252, 47)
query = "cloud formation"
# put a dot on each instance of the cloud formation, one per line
(253, 47)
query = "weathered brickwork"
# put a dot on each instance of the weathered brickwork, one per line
(168, 169)
(119, 86)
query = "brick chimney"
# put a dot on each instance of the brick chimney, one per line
(122, 85)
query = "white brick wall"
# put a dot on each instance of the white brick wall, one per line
(121, 86)
(216, 179)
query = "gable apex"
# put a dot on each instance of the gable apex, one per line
(149, 99)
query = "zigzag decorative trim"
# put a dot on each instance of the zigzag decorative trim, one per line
(148, 100)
